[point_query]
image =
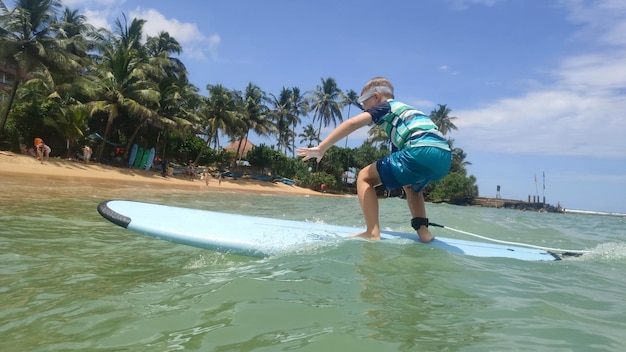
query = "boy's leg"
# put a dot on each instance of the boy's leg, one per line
(415, 201)
(367, 179)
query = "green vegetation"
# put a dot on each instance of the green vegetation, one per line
(75, 84)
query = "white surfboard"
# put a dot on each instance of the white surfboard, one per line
(261, 237)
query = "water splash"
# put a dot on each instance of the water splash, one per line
(610, 251)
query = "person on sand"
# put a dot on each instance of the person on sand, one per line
(39, 148)
(191, 171)
(420, 155)
(86, 154)
(46, 151)
(206, 176)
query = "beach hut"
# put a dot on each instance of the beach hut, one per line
(240, 148)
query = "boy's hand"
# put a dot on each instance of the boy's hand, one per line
(308, 153)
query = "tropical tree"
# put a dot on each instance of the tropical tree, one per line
(121, 83)
(180, 104)
(455, 188)
(458, 158)
(28, 43)
(300, 107)
(75, 33)
(377, 134)
(326, 102)
(34, 100)
(442, 119)
(351, 99)
(255, 114)
(220, 114)
(282, 114)
(79, 38)
(309, 135)
(162, 47)
(70, 122)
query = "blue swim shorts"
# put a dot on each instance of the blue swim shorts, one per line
(417, 166)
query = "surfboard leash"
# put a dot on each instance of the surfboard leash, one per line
(566, 252)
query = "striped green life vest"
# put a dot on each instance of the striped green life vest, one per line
(409, 127)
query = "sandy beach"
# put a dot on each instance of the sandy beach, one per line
(17, 165)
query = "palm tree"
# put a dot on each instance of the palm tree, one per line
(180, 101)
(377, 134)
(282, 114)
(351, 98)
(27, 42)
(255, 114)
(70, 123)
(174, 110)
(78, 37)
(163, 46)
(300, 107)
(442, 119)
(220, 113)
(309, 135)
(180, 107)
(121, 84)
(326, 103)
(458, 158)
(58, 108)
(74, 31)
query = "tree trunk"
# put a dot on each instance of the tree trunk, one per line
(5, 113)
(131, 139)
(208, 142)
(348, 117)
(293, 142)
(107, 130)
(163, 158)
(68, 145)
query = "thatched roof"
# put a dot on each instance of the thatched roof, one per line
(244, 147)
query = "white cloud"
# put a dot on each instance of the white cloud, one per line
(196, 45)
(603, 20)
(581, 113)
(423, 105)
(549, 122)
(193, 41)
(97, 18)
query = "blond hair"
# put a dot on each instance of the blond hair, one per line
(379, 82)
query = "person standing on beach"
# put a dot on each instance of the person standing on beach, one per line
(86, 154)
(206, 176)
(191, 171)
(39, 148)
(420, 155)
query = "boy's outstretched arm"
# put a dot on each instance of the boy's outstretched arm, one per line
(344, 129)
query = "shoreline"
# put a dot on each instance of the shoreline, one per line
(18, 165)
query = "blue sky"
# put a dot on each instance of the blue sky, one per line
(537, 86)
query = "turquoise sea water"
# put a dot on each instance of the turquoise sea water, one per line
(71, 281)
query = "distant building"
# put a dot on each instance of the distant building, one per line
(7, 75)
(244, 146)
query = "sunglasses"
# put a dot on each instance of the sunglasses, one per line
(365, 97)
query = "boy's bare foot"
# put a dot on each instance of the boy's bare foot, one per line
(366, 235)
(425, 235)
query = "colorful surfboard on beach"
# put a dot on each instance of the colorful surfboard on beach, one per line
(133, 155)
(150, 160)
(138, 158)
